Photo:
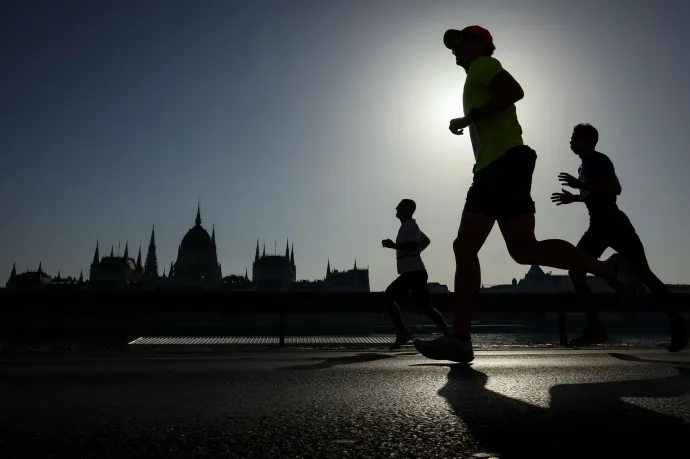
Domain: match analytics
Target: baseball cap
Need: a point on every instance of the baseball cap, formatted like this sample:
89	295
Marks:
453	36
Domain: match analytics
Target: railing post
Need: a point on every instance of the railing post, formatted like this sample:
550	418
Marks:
281	328
562	331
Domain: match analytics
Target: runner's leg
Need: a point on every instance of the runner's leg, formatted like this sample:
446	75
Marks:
395	290
420	295
475	226
629	245
474	230
594	243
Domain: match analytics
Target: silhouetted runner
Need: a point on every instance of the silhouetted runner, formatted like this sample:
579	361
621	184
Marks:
500	191
609	227
413	278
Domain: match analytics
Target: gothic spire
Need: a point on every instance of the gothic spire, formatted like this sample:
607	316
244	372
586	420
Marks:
139	259
328	267
355	264
151	267
292	255
246	274
198	214
40	267
264	251
111	250
287	249
256	256
126	255
96	256
81	276
14	270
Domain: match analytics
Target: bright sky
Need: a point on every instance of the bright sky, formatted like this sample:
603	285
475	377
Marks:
310	120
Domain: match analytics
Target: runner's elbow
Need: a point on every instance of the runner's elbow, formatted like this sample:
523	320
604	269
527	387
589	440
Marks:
519	93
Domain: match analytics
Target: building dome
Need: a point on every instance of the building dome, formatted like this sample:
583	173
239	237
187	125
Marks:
197	260
197	240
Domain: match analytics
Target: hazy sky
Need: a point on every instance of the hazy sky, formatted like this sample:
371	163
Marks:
310	120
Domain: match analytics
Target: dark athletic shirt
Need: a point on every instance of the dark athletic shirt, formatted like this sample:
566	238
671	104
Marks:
596	167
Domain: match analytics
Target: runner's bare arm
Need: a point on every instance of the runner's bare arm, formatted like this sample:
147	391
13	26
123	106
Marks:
505	91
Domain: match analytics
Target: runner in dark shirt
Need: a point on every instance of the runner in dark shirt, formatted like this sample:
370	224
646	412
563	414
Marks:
609	227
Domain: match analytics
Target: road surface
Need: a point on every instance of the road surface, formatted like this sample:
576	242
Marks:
319	404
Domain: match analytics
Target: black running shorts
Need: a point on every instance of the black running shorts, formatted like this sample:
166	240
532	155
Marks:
618	233
503	189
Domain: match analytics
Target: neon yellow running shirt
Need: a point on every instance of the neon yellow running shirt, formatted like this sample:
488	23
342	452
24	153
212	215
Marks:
493	136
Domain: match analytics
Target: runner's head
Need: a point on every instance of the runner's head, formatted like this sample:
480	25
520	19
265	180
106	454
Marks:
468	44
405	210
584	139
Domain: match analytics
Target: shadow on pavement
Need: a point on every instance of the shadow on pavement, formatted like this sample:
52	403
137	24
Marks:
632	358
344	360
587	420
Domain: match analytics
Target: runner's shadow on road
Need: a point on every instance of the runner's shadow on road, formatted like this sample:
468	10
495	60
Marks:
633	358
362	357
588	420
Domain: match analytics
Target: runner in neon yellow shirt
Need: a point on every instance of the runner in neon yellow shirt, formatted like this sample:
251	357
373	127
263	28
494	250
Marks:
500	190
496	135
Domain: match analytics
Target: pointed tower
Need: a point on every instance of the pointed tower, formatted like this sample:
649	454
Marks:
355	264
81	276
328	268
287	249
96	256
12	275
126	255
215	248
9	282
112	253
292	256
151	267
58	276
198	215
256	255
139	268
264	254
246	274
95	264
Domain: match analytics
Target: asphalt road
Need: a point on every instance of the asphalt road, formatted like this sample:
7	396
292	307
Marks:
523	404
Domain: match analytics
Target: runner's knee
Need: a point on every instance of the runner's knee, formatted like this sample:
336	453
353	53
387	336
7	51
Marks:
522	253
392	293
464	248
518	234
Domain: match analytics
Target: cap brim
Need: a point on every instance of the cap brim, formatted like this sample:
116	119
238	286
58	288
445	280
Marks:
451	38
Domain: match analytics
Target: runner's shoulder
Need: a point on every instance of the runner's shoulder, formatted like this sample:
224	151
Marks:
601	157
486	62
